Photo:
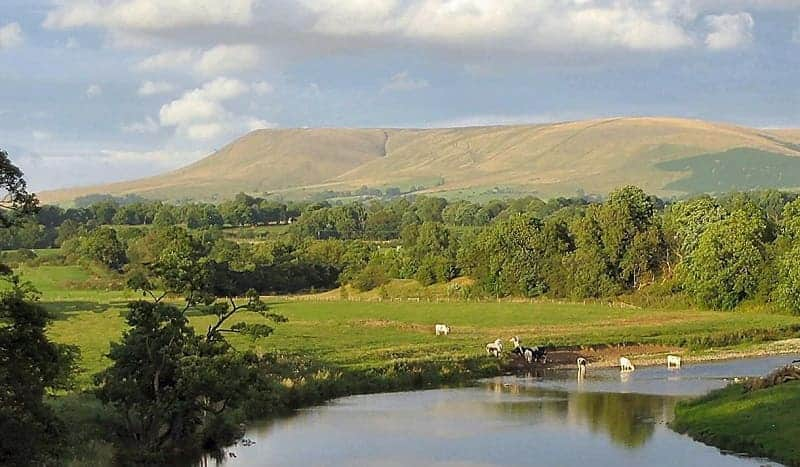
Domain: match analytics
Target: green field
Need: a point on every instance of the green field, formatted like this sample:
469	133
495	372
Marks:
741	421
361	335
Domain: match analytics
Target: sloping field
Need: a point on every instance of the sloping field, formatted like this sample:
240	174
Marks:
595	156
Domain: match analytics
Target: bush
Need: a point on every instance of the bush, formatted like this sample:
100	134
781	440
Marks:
16	257
373	275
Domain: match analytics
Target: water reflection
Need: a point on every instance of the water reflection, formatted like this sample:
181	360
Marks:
560	419
627	418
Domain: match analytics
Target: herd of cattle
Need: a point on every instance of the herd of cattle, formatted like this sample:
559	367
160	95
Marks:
537	354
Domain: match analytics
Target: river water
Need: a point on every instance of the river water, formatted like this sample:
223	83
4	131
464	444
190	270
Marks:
550	419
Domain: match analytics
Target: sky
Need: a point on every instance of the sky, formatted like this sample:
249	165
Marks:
93	91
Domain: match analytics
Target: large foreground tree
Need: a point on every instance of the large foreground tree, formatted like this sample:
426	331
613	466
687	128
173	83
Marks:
30	364
171	385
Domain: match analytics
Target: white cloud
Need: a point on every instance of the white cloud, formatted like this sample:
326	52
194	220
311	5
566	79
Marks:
151	88
72	43
11	36
149	15
147	126
93	91
216	61
729	31
544	25
199	114
190	108
258	124
40	135
322	25
262	88
403	82
224	59
204	131
169	59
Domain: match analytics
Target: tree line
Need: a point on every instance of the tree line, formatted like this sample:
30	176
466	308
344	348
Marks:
51	224
716	251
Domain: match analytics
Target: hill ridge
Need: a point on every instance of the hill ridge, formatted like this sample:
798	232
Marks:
561	158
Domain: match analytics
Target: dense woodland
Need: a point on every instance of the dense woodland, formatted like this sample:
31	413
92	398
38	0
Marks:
716	251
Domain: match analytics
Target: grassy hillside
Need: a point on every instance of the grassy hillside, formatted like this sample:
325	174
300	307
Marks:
735	170
554	159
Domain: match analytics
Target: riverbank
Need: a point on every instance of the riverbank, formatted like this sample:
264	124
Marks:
760	423
607	356
316	383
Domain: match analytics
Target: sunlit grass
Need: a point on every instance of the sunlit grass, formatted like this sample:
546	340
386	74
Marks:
373	334
762	422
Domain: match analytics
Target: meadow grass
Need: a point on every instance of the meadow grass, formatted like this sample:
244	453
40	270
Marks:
364	335
762	422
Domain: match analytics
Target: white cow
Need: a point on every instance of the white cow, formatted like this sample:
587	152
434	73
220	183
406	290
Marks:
494	348
582	364
442	329
673	361
625	364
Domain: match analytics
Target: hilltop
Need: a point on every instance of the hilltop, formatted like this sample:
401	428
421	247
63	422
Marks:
665	156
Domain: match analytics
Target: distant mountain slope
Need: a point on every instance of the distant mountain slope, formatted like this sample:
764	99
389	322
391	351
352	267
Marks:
594	156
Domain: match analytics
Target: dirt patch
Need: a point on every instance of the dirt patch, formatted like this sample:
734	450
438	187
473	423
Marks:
601	356
606	356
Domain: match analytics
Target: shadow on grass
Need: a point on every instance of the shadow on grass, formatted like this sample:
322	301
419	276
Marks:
61	310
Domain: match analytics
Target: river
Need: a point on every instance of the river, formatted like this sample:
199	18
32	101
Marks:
551	419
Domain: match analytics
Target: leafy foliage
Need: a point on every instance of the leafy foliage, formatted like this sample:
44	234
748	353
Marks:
724	268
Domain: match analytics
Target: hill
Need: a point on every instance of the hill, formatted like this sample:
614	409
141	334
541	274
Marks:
666	156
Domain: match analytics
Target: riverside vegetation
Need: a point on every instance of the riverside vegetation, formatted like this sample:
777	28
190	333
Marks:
758	417
179	292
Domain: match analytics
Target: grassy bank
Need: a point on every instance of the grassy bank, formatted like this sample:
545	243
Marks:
760	423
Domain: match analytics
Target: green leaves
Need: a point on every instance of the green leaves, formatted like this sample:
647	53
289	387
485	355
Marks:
30	365
787	291
725	267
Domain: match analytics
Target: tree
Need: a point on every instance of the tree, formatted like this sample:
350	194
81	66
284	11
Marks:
429	209
686	221
103	246
508	258
725	267
30	365
104	211
627	212
50	216
14	197
165	216
169	384
787	290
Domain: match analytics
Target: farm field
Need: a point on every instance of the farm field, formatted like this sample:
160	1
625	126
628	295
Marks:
363	335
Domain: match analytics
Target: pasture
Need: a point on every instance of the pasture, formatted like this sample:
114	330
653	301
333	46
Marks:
89	310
